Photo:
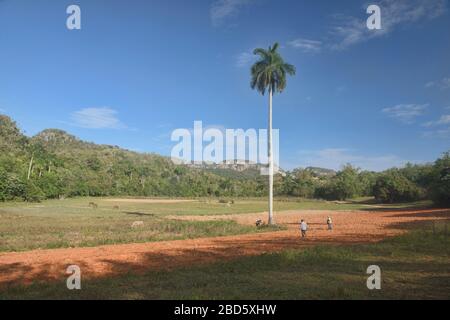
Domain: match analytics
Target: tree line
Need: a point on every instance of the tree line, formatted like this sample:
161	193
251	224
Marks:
407	184
54	164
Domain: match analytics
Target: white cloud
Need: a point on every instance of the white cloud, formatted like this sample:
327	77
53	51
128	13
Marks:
394	13
442	84
443	132
222	10
446	83
443	120
306	45
335	158
348	31
244	59
97	118
440	134
406	113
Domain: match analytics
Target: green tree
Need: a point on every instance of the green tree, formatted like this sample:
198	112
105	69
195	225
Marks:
305	184
11	187
439	189
33	193
367	181
346	183
392	187
269	74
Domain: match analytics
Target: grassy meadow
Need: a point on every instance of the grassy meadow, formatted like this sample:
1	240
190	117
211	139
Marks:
414	266
73	223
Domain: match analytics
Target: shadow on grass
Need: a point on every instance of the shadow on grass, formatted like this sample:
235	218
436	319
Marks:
420	271
326	271
434	216
401	207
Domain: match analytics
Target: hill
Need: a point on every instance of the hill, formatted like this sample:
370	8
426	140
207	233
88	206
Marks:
321	172
55	163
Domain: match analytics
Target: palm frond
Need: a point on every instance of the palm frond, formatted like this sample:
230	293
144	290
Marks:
270	71
290	69
275	47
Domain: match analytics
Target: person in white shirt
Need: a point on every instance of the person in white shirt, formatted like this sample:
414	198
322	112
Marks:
330	223
303	228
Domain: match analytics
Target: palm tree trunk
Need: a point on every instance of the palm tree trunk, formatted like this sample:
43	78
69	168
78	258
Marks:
270	158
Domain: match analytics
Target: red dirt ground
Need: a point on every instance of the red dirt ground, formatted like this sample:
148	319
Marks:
110	260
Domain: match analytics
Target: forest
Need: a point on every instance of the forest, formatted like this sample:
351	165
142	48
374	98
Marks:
55	164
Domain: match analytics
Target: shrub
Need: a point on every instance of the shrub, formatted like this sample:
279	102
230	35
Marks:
33	193
345	185
10	186
392	187
439	189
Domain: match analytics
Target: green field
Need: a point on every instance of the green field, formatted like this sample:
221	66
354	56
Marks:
414	266
72	223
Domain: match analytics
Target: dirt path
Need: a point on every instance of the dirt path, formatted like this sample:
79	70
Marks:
350	227
153	201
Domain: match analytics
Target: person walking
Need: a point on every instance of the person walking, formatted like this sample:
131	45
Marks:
330	223
303	228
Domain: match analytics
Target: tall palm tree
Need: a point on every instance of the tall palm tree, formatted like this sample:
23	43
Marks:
269	74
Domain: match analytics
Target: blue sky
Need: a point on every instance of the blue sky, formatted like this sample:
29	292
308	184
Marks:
137	70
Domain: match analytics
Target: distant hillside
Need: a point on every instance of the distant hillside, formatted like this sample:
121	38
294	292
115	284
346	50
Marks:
235	169
232	173
12	141
321	172
55	163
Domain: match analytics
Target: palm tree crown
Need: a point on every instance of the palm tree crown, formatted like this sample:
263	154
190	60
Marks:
270	71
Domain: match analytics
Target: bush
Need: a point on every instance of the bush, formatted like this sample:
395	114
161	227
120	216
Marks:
439	189
345	185
10	186
33	193
50	186
392	187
